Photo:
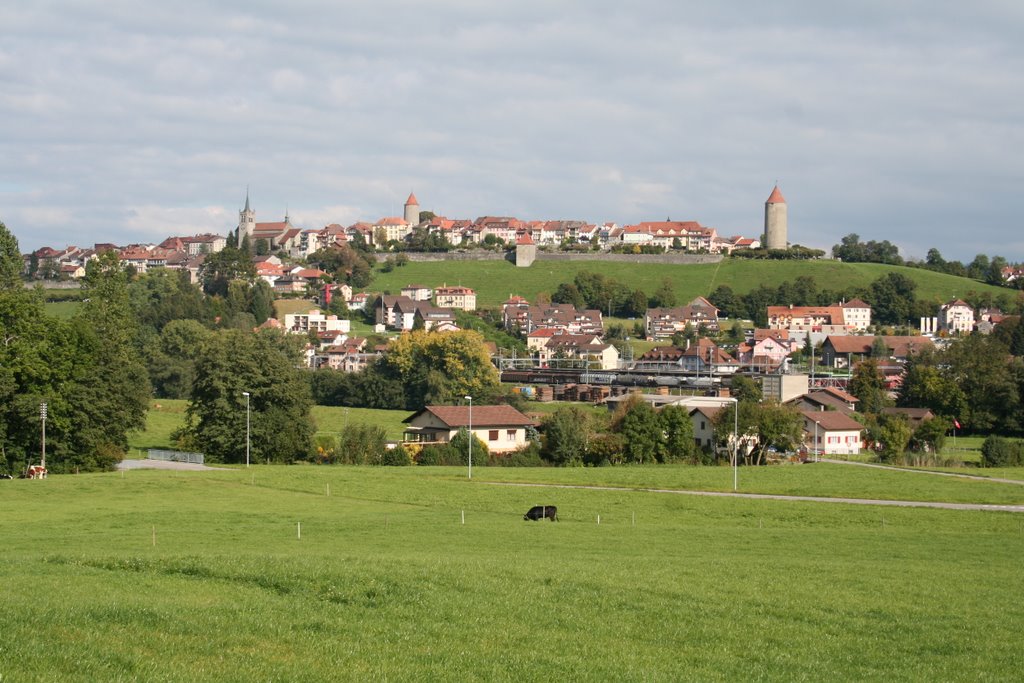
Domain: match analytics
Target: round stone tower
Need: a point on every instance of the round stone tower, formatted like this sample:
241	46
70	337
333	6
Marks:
412	210
775	221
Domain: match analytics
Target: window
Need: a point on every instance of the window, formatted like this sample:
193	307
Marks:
510	434
492	435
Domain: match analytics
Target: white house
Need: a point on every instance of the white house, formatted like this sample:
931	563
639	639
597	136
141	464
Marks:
502	428
830	432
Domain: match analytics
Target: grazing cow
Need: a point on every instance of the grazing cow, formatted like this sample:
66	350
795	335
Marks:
541	512
36	472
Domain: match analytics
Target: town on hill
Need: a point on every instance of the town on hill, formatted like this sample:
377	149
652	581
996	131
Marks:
891	363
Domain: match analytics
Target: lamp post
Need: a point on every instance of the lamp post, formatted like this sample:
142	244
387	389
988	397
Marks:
470	474
42	418
735	442
246	394
816	447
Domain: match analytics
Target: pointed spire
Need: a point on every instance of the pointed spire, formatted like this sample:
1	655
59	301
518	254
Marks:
246	198
411	200
776	197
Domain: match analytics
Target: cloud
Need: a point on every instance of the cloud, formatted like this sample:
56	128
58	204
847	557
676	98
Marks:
893	122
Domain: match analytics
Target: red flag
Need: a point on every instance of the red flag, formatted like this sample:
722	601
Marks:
955	423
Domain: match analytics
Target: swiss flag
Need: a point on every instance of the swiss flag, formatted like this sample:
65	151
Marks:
955	423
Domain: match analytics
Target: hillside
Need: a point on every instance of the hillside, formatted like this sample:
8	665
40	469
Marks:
494	281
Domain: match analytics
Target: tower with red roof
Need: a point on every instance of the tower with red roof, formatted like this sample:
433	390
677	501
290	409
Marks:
412	210
775	221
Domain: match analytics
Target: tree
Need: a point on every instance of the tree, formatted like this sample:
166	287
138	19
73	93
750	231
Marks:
868	385
925	385
766	425
894	435
892	298
221	268
930	435
997	451
265	365
746	390
665	295
566	434
641	430
678	429
10	260
879	349
440	367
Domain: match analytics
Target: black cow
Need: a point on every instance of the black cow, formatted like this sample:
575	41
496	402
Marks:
541	512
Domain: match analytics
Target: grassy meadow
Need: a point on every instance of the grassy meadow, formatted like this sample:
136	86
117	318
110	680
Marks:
494	281
185	576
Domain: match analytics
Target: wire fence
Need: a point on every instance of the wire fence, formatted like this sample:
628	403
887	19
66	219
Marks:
176	456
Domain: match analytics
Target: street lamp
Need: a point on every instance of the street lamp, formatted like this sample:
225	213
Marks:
246	394
470	399
735	444
42	418
816	447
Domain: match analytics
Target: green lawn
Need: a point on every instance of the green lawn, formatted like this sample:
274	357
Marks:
62	309
494	281
166	576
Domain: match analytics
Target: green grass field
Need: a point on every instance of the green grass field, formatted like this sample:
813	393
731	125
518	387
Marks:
62	309
166	415
165	576
494	281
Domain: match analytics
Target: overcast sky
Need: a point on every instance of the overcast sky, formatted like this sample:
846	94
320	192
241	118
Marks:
129	120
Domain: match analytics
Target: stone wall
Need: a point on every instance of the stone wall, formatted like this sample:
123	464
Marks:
677	259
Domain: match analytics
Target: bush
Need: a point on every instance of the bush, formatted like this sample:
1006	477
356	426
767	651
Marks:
1000	452
440	454
397	457
528	456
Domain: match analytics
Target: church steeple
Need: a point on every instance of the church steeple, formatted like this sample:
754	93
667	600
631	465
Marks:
246	220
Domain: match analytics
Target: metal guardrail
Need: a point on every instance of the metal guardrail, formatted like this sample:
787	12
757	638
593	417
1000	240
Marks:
176	456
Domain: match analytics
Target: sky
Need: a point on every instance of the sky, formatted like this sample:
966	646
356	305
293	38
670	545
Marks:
128	121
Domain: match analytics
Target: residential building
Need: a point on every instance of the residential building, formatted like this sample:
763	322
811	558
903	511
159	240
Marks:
417	292
839	351
663	323
502	428
956	317
462	298
315	321
830	432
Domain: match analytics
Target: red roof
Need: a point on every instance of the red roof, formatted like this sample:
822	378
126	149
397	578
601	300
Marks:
483	416
776	197
411	200
524	239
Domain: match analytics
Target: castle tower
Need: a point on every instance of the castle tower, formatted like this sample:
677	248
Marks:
412	210
246	221
775	221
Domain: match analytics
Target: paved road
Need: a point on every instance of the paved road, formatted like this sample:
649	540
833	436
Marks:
148	464
769	496
1017	482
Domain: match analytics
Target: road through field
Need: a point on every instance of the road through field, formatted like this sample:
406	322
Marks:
1017	482
771	496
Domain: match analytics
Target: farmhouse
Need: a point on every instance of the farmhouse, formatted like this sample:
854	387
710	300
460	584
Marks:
502	428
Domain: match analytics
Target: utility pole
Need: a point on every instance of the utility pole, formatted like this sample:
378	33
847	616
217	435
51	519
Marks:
42	418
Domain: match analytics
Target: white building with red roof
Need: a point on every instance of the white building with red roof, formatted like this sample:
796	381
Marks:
502	428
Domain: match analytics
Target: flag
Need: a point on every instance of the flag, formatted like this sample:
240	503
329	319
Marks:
955	423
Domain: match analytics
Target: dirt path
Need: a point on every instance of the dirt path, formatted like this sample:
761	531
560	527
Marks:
771	496
975	477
